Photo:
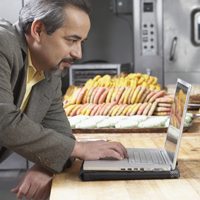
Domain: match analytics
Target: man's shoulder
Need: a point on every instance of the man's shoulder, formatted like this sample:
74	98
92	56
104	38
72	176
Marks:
6	28
9	40
5	23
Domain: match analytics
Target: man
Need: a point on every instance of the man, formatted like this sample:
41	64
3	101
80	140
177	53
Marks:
47	39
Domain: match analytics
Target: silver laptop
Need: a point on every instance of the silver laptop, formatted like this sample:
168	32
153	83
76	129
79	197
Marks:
143	159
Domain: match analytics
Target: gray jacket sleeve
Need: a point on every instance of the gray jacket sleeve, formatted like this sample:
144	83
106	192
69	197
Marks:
49	143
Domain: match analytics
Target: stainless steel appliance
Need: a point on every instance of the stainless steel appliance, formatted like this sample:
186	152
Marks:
167	39
148	39
79	74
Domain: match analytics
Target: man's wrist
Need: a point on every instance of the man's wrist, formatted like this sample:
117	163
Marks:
41	169
76	153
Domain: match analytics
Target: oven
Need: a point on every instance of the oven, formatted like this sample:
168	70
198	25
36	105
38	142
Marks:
166	39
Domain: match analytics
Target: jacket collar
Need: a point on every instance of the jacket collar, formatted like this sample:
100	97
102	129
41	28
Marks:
21	38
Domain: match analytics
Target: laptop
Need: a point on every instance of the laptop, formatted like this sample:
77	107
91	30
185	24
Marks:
146	163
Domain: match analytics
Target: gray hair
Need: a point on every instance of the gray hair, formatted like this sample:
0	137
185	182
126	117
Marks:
50	12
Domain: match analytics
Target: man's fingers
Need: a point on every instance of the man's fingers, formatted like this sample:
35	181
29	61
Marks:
119	148
15	190
44	193
110	154
23	190
100	149
31	192
41	194
124	151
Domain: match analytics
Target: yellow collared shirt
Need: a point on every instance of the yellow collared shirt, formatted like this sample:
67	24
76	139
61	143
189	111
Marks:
33	77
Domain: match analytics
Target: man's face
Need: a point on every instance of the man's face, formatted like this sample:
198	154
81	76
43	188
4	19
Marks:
60	49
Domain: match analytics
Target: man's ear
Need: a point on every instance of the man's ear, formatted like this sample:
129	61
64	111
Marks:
37	27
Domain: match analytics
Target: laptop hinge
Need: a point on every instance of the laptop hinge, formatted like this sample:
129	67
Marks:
166	158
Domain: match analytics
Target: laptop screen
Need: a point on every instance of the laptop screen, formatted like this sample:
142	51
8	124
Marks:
177	117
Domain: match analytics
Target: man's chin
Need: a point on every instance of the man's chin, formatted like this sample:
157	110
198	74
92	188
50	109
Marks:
59	71
58	68
64	65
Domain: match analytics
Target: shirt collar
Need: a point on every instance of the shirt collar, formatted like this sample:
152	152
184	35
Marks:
32	71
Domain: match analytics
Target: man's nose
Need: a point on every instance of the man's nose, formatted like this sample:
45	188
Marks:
77	51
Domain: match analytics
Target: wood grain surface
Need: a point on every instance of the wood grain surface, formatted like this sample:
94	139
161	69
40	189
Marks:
67	185
122	130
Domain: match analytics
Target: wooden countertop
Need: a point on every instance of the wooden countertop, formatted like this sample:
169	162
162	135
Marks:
67	185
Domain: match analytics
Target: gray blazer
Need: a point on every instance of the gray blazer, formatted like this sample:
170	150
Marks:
42	133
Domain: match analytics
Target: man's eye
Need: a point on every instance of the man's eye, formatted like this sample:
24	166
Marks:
82	43
71	41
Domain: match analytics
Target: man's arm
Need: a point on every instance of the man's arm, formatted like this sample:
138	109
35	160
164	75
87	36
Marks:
36	184
95	150
19	133
56	119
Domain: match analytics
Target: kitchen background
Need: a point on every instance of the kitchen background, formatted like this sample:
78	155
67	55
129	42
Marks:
150	35
157	38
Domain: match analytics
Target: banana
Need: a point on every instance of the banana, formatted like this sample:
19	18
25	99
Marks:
96	78
151	80
141	80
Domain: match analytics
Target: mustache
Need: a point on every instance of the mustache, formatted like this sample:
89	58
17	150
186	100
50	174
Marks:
68	60
56	69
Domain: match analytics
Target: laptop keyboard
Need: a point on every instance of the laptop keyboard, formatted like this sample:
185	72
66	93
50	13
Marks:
150	157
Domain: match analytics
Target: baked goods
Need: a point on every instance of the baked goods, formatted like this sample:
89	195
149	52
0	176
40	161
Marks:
195	99
125	95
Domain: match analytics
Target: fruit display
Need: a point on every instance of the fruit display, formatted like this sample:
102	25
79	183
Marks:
124	95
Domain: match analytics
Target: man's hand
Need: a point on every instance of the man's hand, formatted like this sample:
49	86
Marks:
95	150
35	185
